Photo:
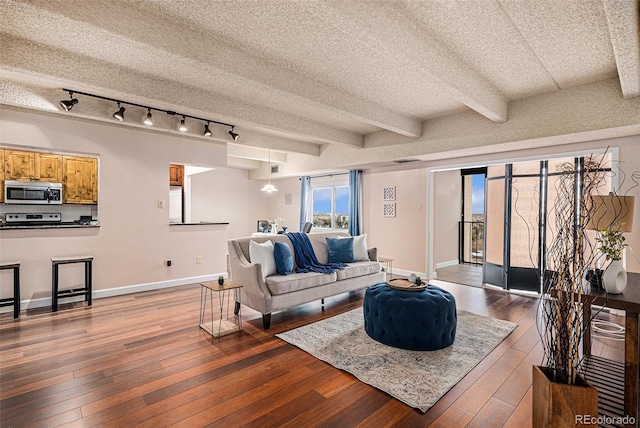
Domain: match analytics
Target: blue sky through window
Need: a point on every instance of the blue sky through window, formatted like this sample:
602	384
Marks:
477	194
322	200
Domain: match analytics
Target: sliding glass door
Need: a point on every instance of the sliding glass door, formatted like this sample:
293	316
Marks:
517	207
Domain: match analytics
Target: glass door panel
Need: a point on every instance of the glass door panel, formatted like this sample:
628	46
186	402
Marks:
523	273
493	272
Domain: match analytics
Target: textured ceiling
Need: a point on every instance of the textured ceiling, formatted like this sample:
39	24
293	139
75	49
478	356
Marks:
336	84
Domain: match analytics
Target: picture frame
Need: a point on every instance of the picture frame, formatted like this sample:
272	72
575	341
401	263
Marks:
389	193
389	209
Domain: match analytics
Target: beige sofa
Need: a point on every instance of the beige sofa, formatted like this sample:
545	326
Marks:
279	292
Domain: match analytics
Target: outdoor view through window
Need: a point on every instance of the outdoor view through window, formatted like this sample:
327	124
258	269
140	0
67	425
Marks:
331	207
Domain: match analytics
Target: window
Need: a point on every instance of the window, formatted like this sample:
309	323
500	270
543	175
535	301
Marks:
330	207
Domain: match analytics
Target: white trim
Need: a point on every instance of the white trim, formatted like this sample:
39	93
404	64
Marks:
447	264
110	292
408	272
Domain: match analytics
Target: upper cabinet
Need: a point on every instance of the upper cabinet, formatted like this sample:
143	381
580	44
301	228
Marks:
32	166
176	173
48	167
80	180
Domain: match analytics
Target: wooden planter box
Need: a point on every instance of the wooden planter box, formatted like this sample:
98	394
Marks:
558	405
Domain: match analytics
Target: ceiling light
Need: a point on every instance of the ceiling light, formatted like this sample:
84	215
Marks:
267	187
68	104
148	120
119	115
233	134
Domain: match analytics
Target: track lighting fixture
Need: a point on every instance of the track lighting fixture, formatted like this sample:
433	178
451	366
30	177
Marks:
233	134
148	120
68	104
183	126
119	115
267	187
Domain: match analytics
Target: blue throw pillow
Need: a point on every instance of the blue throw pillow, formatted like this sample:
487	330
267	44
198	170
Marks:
340	250
284	258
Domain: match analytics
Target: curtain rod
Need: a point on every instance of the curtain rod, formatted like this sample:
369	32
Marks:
327	175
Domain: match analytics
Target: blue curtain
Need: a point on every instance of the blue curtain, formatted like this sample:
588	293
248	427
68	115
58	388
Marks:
304	199
355	194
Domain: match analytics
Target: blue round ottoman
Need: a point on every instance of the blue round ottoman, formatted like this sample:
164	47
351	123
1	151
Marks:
418	320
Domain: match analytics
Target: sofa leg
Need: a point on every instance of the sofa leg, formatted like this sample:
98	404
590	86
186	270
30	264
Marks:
266	321
322	301
236	310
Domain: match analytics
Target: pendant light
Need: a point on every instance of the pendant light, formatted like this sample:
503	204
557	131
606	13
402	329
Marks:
269	187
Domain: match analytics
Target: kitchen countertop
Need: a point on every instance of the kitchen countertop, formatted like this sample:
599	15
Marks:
62	225
202	223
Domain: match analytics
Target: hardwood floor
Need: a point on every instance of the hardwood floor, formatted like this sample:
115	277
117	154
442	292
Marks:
141	360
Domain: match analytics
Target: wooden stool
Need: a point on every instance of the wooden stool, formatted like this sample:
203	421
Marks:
59	294
15	300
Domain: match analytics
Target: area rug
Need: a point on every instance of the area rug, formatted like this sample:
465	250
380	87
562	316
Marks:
417	378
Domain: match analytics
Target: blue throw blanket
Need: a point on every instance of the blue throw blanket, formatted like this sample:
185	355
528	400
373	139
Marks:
306	257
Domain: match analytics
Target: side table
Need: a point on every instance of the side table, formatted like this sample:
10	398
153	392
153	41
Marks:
221	324
389	263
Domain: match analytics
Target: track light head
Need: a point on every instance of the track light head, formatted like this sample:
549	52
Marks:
119	115
148	120
207	131
233	134
68	104
183	126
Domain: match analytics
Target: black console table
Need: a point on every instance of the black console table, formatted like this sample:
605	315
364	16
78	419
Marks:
616	397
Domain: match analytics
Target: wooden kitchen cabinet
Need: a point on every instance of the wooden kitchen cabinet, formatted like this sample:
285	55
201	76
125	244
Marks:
80	180
32	166
176	173
19	165
48	167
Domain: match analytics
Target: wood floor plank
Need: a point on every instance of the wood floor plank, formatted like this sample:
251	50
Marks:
454	417
141	360
494	413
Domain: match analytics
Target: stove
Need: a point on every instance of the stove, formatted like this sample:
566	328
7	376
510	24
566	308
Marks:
14	219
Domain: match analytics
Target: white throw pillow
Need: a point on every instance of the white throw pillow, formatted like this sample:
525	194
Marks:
263	254
360	253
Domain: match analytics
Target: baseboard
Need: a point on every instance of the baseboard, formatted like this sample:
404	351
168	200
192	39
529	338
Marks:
119	291
447	264
407	273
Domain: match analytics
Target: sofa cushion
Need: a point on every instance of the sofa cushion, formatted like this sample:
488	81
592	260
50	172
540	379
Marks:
340	250
358	269
263	253
284	258
280	284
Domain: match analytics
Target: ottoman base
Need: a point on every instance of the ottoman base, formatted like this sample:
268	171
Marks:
417	320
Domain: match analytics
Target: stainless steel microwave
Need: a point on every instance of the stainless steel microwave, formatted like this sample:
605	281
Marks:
32	192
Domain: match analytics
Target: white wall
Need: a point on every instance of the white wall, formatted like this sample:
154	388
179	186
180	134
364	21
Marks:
402	238
447	206
134	238
227	195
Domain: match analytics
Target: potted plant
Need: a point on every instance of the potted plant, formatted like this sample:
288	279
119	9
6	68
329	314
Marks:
560	390
611	243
